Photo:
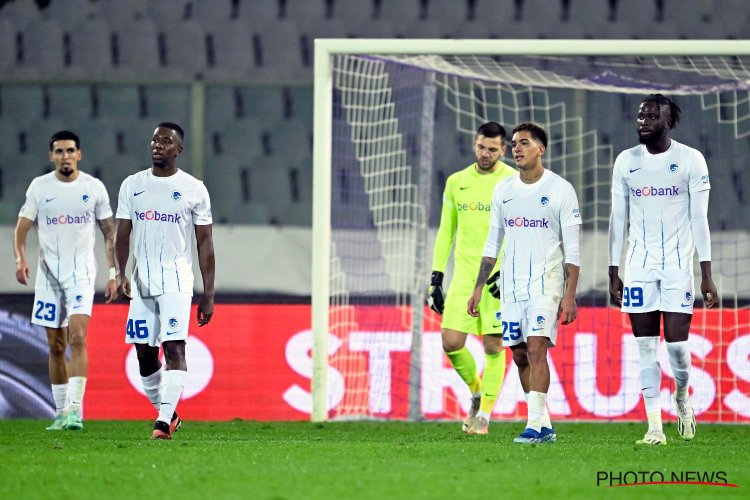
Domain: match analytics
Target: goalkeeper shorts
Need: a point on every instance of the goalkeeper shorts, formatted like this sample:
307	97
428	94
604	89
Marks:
456	317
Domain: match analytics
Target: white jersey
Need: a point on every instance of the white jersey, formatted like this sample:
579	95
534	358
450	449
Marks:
532	217
163	211
66	215
658	190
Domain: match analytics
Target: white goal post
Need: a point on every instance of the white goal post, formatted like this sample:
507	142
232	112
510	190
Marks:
326	267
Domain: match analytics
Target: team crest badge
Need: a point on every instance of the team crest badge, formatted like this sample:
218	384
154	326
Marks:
673	167
688	297
544	201
85	198
540	320
79	298
173	322
498	316
176	195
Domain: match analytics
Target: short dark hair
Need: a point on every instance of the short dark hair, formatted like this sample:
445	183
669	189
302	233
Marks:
536	131
64	135
174	127
661	101
491	130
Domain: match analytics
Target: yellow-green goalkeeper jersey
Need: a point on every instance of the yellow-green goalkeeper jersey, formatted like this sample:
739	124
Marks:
466	218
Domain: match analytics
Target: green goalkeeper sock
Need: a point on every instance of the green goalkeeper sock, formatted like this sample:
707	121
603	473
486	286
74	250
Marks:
463	362
492	380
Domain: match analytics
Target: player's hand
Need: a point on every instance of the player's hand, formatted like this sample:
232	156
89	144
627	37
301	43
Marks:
23	272
492	283
435	296
568	310
205	310
110	291
615	288
710	295
473	305
123	289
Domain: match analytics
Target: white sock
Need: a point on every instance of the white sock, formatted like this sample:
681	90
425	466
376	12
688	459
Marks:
537	403
650	380
546	422
173	382
60	396
151	385
75	392
679	360
484	414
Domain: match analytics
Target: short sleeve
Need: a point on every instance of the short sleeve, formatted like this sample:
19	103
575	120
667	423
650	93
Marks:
202	209
103	209
619	186
30	208
123	202
698	173
570	214
496	207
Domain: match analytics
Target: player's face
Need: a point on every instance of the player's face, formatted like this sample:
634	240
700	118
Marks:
65	156
527	151
165	147
488	150
653	123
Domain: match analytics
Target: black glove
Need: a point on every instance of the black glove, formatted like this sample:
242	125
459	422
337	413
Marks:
492	283
435	298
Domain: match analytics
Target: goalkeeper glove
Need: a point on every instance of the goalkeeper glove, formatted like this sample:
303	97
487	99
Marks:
492	283
435	298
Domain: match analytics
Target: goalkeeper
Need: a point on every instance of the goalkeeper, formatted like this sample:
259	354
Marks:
465	218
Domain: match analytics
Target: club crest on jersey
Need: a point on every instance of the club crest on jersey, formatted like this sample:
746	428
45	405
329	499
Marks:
540	320
79	298
173	322
673	167
544	201
176	195
85	198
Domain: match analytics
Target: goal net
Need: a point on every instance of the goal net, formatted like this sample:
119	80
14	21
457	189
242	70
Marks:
395	118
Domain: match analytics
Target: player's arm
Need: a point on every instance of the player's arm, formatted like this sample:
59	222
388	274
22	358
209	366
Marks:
107	227
23	272
702	238
206	261
122	252
443	242
618	220
571	247
489	258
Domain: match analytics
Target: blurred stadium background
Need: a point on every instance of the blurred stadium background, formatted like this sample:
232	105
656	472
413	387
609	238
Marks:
237	74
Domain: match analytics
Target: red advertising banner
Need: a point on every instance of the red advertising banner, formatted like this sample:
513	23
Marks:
255	362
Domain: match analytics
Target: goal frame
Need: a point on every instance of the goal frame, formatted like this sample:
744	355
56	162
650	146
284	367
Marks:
325	49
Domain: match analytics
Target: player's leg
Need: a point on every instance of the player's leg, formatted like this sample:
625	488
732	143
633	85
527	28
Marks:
540	332
78	367
456	326
58	374
646	330
174	319
676	327
677	306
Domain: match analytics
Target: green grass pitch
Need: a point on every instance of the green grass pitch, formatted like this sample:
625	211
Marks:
290	460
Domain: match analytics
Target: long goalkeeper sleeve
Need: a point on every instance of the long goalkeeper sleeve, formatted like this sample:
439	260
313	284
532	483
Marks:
445	235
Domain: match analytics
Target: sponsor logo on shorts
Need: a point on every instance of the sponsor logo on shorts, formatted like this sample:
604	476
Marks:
171	333
688	300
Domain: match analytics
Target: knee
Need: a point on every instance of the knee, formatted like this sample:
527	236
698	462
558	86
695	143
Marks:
520	357
78	340
57	347
453	344
537	355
